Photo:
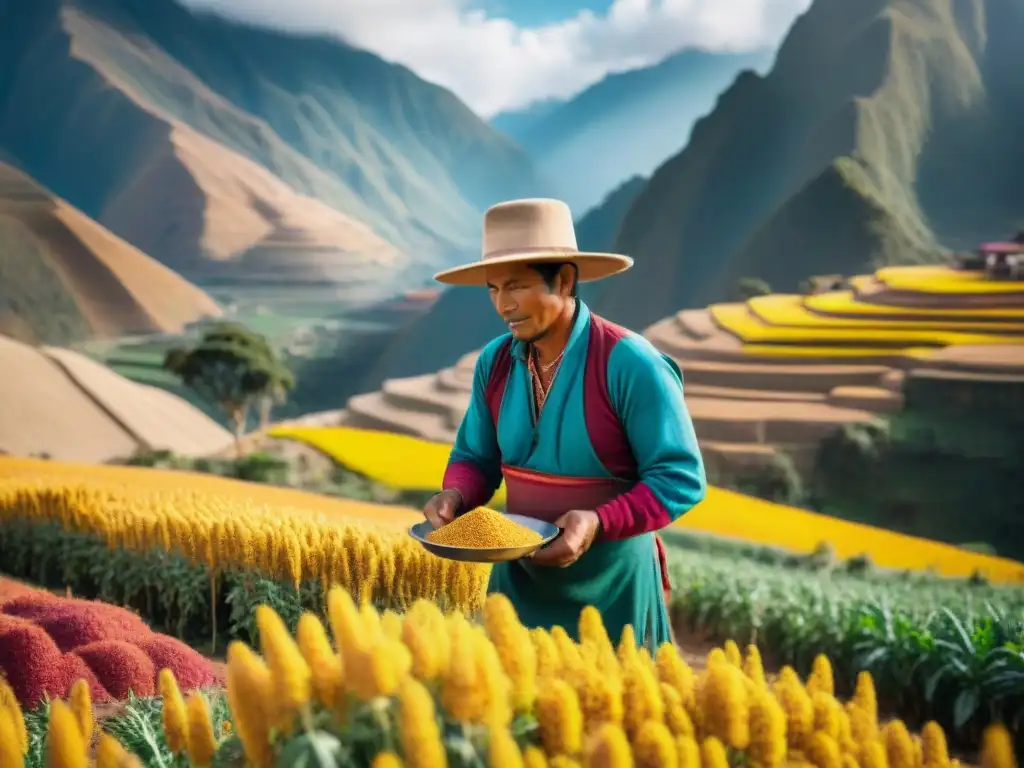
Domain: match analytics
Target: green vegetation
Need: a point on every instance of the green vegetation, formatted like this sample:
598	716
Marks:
751	287
235	369
931	472
823	283
777	481
329	349
937	650
35	305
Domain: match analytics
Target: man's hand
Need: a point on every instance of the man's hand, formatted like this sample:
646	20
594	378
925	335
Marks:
579	531
441	509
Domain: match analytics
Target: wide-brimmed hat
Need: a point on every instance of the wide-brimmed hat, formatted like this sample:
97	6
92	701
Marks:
531	231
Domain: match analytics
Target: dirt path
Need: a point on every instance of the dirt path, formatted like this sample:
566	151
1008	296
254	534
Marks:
693	649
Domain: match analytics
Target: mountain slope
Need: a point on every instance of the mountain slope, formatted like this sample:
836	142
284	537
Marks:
886	130
64	278
519	122
597	229
99	94
627	124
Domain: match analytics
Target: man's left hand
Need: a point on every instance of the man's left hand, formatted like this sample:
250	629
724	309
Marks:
579	529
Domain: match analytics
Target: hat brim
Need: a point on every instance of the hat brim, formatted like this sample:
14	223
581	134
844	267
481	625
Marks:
591	266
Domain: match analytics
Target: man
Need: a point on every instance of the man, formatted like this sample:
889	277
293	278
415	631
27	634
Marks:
586	423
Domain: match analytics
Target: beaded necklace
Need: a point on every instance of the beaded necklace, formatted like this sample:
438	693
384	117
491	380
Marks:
540	392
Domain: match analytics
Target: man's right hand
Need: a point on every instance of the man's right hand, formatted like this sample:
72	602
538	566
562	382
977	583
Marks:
442	508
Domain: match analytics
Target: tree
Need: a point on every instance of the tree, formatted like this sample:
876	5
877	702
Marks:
751	287
273	384
847	460
823	283
777	481
233	368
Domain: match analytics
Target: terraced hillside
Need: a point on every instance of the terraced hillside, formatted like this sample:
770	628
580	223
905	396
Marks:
779	373
65	278
67	406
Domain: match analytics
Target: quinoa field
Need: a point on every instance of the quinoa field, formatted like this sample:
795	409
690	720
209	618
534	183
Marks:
347	644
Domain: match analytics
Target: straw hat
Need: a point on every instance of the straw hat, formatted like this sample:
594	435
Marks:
531	231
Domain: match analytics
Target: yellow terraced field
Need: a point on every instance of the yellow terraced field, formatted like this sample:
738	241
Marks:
854	353
737	319
846	303
937	279
789	310
393	459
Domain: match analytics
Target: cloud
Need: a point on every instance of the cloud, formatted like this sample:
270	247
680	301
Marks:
494	65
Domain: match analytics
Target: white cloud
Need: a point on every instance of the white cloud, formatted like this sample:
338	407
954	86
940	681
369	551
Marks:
494	65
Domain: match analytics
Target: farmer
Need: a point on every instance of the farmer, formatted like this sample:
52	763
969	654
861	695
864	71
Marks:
586	423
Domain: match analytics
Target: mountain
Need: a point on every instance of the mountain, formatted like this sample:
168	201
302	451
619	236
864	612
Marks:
463	319
519	122
597	230
199	140
64	278
886	131
624	125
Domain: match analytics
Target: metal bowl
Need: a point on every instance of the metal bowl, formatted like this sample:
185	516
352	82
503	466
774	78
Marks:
547	531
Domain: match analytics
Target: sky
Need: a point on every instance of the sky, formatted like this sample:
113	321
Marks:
499	55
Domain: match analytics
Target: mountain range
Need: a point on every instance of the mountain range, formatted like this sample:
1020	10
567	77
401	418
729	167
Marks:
627	124
231	152
885	132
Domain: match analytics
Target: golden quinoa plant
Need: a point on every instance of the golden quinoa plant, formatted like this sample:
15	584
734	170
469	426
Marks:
429	690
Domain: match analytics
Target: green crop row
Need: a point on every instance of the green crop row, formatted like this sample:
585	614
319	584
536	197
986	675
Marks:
951	651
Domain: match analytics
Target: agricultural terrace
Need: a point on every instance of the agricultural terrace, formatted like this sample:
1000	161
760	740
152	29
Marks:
195	556
771	379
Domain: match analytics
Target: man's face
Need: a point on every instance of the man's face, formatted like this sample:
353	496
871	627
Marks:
524	301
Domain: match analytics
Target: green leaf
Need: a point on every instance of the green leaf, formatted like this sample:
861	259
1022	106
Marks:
307	749
965	706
